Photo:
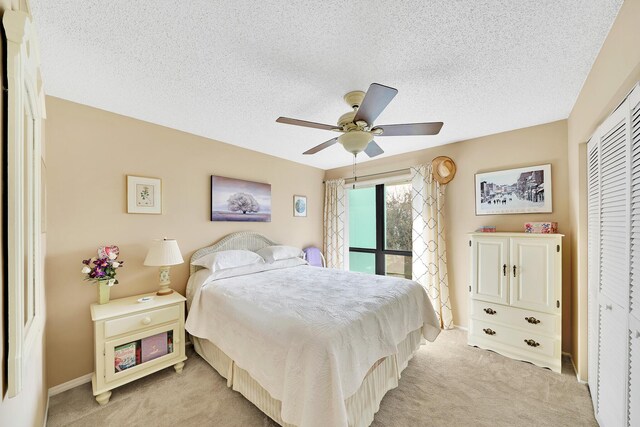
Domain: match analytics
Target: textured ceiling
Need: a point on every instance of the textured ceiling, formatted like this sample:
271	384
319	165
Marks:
227	69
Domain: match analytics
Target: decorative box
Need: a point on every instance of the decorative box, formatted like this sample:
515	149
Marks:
541	227
487	229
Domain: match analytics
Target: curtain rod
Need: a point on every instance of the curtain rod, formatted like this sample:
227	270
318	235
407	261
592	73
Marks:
406	170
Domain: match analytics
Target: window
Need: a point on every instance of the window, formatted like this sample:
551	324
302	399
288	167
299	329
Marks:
380	230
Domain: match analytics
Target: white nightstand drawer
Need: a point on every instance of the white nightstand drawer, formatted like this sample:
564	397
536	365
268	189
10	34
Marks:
140	321
533	321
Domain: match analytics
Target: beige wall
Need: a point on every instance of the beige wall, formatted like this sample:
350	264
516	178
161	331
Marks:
89	154
28	408
615	71
524	147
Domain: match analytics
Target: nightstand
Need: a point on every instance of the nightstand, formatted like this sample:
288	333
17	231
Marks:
133	339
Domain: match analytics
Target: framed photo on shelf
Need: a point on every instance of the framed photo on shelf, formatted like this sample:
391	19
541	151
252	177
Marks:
299	205
144	195
514	191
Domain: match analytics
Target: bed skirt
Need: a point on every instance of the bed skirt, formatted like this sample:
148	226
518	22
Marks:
361	406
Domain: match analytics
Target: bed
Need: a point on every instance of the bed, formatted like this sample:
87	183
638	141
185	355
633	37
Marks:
308	346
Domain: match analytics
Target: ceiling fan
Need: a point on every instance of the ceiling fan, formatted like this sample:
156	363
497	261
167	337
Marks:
357	126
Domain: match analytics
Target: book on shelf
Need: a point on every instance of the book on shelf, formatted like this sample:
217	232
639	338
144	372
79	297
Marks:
154	346
124	356
170	342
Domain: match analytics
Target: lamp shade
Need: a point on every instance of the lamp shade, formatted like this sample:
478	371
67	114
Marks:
164	252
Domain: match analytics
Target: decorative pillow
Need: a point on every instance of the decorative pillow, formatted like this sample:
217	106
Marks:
228	259
275	253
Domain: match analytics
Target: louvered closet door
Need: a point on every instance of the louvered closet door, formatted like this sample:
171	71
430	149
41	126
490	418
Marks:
633	382
614	210
634	298
612	284
633	416
593	182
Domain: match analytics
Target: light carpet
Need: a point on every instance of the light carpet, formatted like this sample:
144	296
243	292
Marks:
447	383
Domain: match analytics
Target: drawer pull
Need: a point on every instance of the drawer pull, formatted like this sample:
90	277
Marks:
146	320
532	343
532	320
489	331
514	271
489	311
504	270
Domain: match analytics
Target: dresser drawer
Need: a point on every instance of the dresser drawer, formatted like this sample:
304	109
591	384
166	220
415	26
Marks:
140	321
522	341
532	321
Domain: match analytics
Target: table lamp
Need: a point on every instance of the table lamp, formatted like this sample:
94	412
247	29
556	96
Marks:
164	253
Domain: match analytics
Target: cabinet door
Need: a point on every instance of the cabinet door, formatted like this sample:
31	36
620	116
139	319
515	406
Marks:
532	273
489	269
159	354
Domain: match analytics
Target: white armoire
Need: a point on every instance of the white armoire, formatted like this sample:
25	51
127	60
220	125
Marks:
516	296
613	179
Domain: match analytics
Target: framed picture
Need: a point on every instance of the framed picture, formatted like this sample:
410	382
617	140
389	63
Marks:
514	191
239	200
144	195
299	205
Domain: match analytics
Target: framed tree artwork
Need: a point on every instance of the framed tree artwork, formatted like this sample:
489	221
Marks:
239	200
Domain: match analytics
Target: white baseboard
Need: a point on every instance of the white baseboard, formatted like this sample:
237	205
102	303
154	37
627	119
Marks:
46	413
573	365
60	388
462	328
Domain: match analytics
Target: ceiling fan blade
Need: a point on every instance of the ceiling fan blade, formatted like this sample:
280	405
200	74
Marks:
322	146
373	149
375	101
411	129
296	122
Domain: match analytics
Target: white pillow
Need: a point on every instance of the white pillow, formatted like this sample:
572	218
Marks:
255	268
275	253
228	259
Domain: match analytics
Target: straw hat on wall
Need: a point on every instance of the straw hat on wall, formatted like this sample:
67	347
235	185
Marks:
443	169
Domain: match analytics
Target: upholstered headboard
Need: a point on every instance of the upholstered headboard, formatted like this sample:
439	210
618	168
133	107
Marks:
248	240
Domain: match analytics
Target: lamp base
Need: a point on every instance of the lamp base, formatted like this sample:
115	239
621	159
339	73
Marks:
164	281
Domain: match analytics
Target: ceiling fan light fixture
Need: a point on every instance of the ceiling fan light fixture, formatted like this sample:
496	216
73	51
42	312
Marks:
355	141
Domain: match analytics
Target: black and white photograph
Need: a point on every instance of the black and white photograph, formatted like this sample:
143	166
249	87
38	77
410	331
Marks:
514	191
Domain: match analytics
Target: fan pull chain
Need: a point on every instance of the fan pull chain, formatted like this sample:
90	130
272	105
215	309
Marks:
355	178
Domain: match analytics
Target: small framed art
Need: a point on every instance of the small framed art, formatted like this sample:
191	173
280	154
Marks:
144	195
299	205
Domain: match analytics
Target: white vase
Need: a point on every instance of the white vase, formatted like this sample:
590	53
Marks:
103	291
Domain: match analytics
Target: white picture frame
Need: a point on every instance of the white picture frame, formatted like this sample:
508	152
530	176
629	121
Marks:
144	195
299	206
524	190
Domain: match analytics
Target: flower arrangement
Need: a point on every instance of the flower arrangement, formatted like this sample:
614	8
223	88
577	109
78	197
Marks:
104	266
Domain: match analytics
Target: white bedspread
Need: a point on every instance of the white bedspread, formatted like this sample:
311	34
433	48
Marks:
309	335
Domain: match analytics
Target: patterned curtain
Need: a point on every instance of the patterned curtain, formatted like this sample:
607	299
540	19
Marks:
429	248
334	221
